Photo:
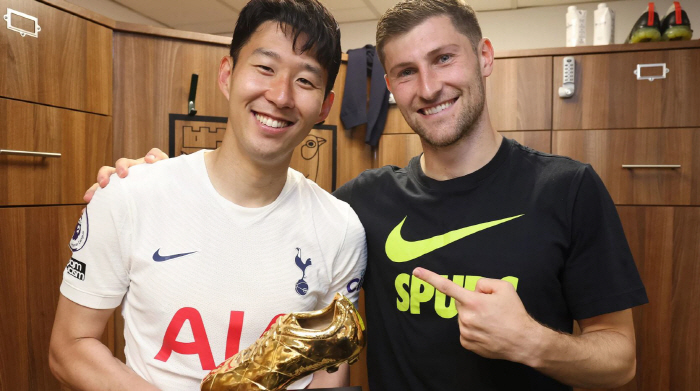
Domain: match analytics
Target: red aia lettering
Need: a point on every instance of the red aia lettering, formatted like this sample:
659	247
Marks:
200	346
235	328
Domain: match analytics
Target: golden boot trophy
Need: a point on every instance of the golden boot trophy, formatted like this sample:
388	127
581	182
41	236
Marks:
297	345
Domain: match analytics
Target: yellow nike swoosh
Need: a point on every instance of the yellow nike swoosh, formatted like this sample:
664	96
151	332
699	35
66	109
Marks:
400	250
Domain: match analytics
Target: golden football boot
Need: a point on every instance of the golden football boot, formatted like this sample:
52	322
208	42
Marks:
297	345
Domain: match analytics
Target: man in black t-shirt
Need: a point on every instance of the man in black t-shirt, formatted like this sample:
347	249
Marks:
541	229
482	252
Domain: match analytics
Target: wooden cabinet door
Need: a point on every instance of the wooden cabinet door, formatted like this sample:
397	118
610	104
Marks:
152	78
665	243
609	150
68	64
609	96
33	253
83	140
519	93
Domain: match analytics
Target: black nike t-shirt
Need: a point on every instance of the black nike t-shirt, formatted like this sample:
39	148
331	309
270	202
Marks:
544	223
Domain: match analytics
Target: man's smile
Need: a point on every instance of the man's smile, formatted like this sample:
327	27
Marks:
437	108
271	122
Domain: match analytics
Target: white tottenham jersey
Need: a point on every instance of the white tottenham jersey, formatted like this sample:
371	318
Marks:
201	278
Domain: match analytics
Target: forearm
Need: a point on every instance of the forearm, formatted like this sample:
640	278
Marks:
603	358
87	364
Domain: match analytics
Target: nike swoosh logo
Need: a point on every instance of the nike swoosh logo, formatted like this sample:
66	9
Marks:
400	250
160	258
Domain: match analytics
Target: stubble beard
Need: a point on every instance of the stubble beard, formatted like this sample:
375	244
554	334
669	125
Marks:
466	121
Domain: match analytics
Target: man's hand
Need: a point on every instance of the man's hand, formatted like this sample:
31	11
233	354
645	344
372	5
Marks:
121	167
493	322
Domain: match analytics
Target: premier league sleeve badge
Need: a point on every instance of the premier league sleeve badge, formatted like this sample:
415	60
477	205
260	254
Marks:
80	236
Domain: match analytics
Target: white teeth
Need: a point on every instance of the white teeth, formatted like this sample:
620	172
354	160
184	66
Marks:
271	122
438	108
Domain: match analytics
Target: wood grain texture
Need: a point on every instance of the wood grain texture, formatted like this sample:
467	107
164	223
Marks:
608	150
84	140
152	79
540	140
395	122
33	251
69	64
518	94
619	48
353	155
649	232
170	33
685	311
609	96
80	11
398	149
358	371
665	243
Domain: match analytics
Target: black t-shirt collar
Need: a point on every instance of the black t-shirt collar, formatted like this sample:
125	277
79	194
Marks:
465	182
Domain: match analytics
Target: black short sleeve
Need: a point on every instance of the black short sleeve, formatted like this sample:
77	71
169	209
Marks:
599	275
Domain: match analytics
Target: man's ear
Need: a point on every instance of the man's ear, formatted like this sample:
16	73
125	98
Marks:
388	85
326	107
486	54
225	70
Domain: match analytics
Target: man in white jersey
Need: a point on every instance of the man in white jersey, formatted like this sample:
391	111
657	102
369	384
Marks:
206	250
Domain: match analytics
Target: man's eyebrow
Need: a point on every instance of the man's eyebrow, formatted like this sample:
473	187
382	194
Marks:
313	69
429	54
267	53
272	54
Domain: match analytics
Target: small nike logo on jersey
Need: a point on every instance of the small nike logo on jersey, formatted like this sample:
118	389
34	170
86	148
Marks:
400	250
160	258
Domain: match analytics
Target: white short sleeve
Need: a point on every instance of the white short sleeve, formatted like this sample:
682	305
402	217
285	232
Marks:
96	275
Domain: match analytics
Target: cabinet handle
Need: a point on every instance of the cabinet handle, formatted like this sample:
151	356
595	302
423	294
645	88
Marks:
670	166
664	71
29	153
22	32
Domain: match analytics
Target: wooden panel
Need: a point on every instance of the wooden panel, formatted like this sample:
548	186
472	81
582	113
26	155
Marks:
84	140
353	155
608	95
540	140
398	149
665	242
151	80
607	151
395	123
519	93
68	65
358	371
649	231
570	51
685	311
33	252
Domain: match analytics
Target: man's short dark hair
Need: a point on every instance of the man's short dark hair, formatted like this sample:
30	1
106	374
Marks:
406	15
295	17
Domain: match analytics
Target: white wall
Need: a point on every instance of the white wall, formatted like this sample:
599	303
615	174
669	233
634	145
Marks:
538	27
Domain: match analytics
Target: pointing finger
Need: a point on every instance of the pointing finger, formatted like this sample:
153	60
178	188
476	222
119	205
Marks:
442	284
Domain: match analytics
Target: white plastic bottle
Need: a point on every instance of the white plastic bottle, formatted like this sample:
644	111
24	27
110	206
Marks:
575	27
603	25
